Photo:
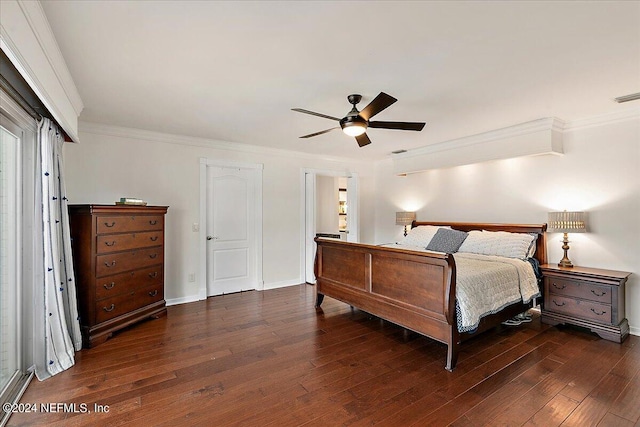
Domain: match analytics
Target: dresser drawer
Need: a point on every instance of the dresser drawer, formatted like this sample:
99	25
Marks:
600	313
122	242
121	304
119	262
128	223
578	289
111	286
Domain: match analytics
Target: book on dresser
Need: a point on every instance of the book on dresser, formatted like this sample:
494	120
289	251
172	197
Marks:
118	256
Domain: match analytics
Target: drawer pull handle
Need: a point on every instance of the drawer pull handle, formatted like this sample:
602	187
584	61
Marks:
153	275
153	256
110	308
109	265
154	238
110	244
559	287
598	314
110	225
153	222
559	305
153	293
109	285
597	294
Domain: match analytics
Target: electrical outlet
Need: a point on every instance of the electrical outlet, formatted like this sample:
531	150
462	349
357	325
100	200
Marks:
192	277
195	227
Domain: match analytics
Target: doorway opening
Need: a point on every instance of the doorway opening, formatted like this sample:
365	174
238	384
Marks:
329	209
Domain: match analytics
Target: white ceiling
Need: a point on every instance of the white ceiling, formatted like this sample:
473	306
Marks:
232	71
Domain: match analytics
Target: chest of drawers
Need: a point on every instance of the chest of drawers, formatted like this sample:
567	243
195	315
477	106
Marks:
118	254
588	297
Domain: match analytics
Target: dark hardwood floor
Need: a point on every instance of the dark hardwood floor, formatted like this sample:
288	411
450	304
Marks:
267	358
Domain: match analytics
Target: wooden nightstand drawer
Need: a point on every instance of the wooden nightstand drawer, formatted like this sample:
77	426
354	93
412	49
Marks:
578	289
581	308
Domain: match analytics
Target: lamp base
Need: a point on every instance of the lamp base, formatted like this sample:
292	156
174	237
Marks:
565	261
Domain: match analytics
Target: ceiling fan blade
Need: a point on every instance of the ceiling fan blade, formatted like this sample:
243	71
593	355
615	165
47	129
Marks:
378	104
363	140
319	133
300	110
397	125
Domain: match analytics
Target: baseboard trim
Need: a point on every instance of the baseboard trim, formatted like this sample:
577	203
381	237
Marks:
264	287
182	300
282	284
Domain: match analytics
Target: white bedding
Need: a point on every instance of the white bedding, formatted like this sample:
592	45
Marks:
486	284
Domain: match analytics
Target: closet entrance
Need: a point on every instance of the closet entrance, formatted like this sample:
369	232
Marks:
330	211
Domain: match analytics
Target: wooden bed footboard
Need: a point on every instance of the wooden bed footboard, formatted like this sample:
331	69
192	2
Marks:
413	289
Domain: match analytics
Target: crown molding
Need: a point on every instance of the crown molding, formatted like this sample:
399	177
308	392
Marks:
541	136
546	133
40	26
549	123
167	138
629	113
27	40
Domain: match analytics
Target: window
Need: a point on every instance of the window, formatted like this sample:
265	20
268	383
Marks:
17	166
9	261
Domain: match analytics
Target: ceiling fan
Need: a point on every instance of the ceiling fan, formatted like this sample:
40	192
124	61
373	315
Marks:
355	123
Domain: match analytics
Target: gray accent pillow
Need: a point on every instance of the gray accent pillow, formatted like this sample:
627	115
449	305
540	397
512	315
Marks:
446	240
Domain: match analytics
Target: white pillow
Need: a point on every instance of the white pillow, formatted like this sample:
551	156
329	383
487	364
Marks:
420	236
499	243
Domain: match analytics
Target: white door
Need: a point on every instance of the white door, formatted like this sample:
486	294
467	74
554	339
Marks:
231	230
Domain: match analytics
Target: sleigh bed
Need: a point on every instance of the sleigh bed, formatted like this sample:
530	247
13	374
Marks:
416	288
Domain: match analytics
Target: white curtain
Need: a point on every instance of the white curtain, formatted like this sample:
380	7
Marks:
57	327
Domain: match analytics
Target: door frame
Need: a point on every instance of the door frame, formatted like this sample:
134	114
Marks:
26	314
308	211
257	169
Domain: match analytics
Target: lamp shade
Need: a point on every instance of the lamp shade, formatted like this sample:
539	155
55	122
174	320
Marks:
405	218
567	222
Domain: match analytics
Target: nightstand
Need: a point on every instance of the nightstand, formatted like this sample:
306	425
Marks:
587	297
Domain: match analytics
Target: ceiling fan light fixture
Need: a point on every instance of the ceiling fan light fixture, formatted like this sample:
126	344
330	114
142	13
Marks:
353	125
354	130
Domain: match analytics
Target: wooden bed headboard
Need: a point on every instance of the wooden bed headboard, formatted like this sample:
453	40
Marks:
539	229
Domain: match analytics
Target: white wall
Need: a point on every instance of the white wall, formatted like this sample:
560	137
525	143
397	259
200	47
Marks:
599	173
111	163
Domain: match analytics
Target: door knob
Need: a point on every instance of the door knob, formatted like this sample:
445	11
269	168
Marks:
212	238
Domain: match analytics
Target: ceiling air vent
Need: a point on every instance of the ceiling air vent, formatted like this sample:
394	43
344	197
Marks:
627	98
